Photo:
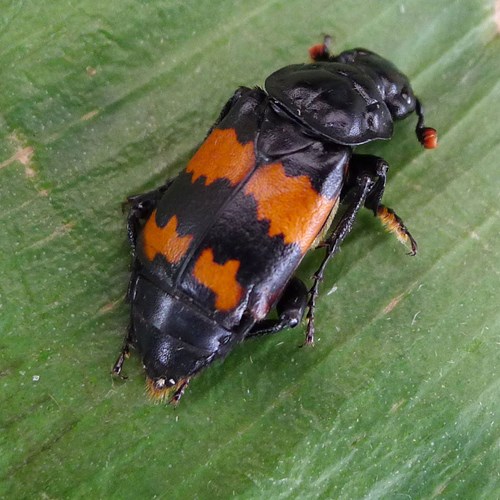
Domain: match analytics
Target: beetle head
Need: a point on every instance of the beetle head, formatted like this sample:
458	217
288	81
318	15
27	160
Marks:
393	85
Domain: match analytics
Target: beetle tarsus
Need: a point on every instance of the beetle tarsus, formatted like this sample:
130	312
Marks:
174	400
124	354
393	223
309	340
310	330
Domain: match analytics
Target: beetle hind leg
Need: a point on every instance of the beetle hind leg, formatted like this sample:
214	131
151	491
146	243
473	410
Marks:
364	184
290	307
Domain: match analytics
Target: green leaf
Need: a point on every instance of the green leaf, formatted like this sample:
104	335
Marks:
399	397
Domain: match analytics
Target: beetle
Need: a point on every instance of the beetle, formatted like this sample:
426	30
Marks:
216	248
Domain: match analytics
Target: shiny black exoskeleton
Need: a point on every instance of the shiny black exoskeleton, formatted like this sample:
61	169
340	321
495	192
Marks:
216	248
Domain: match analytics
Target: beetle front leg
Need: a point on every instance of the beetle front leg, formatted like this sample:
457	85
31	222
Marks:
392	222
179	392
141	207
332	243
290	308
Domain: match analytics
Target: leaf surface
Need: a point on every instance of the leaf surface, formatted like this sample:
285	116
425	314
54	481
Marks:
399	397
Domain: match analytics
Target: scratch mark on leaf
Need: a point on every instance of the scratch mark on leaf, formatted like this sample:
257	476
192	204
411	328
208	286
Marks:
396	406
90	115
59	231
21	155
392	304
438	491
29	172
110	306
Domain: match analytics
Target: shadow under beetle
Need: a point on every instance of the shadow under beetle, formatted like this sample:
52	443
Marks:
216	248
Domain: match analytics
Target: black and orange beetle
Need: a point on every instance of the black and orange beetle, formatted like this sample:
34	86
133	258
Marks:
216	248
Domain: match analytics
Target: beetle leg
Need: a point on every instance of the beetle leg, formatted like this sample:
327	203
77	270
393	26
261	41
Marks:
365	184
371	165
124	354
141	207
290	307
182	386
392	222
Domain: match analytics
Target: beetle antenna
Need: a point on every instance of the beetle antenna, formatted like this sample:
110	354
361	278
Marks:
321	51
427	136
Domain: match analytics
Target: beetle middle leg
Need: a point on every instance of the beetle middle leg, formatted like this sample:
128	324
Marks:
365	184
290	308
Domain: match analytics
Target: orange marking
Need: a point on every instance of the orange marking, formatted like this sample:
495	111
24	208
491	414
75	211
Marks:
220	278
164	240
288	203
222	156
